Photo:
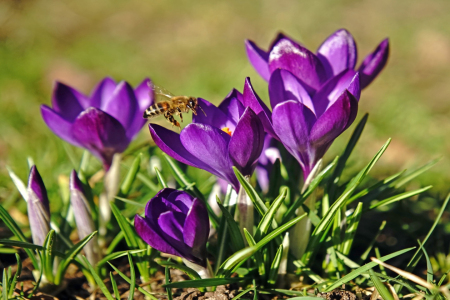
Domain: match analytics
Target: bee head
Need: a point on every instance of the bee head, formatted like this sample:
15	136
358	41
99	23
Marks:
192	102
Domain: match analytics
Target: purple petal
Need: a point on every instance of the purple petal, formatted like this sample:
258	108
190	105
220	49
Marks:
145	95
61	127
210	145
196	229
152	236
258	58
68	102
338	52
333	88
181	200
102	92
36	185
374	63
252	100
169	142
100	133
39	218
283	86
159	204
299	61
292	121
333	122
247	142
170	223
214	116
232	106
122	105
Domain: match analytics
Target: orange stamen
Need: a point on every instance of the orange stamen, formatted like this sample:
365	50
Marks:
227	130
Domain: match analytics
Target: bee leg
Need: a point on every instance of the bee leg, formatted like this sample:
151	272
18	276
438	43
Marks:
179	114
193	109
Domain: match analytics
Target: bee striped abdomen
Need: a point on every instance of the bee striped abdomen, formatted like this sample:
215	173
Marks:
156	109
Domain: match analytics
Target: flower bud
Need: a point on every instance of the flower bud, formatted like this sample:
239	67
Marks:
38	207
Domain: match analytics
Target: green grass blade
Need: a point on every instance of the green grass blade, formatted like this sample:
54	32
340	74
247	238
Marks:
252	194
364	268
258	257
268	218
399	197
411	175
148	182
15	229
429	266
351	229
242	293
20	244
114	286
168	289
118	254
131	175
126	227
273	273
132	202
5	285
16	276
133	278
347	261
381	288
21	187
188	271
125	277
235	234
98	280
203	282
372	243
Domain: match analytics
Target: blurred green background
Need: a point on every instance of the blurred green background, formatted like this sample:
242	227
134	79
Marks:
197	48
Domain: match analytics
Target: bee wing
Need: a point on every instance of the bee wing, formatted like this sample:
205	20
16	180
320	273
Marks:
159	91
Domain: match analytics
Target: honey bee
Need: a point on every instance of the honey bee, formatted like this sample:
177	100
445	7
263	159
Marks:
173	105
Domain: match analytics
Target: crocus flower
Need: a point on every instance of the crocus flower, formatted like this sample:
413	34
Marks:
38	207
307	125
104	122
269	155
176	223
336	54
83	217
228	135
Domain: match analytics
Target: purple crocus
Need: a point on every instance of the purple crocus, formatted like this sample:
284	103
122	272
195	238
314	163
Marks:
228	135
269	155
38	207
337	53
175	223
83	217
307	123
104	122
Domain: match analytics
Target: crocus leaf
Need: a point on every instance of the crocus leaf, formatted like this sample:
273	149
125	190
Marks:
133	278
207	282
70	255
114	285
323	226
131	175
24	245
351	229
18	183
273	273
372	243
413	174
98	280
252	194
235	233
15	229
257	255
238	258
118	254
267	219
365	268
161	180
188	271
48	255
167	277
16	276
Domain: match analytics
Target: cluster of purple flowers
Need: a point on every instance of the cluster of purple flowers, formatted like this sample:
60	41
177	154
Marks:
314	98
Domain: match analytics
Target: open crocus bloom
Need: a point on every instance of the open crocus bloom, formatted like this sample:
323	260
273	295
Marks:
336	54
177	224
227	136
307	123
104	122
